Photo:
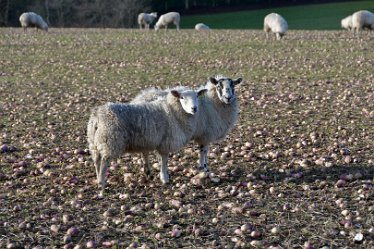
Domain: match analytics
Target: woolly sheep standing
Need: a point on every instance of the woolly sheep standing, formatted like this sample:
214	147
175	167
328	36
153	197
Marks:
217	116
31	19
168	18
164	125
146	19
347	22
275	23
201	26
362	19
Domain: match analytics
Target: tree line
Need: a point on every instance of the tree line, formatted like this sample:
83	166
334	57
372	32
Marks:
118	13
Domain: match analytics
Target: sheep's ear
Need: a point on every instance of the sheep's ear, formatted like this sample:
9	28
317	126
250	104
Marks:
176	94
237	81
213	80
202	92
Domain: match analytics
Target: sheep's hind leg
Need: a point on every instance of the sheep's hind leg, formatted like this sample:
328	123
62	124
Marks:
96	160
203	159
103	169
146	167
164	175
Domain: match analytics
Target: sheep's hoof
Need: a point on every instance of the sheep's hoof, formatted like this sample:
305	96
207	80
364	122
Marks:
203	168
100	195
149	176
165	179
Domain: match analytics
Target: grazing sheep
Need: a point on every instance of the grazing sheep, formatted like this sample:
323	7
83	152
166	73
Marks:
201	26
146	19
347	22
217	115
362	19
275	23
31	19
164	125
168	18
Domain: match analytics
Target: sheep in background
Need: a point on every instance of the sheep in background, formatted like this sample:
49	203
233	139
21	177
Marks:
168	18
275	23
164	125
217	116
152	94
201	26
346	23
362	19
146	19
31	19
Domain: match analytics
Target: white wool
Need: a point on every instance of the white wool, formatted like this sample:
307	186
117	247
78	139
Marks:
362	19
146	19
346	23
217	115
168	18
31	19
164	125
201	26
276	24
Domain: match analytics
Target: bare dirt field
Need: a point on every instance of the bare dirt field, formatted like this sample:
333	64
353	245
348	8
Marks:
296	172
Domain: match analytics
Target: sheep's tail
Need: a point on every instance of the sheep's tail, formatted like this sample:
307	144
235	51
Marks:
91	138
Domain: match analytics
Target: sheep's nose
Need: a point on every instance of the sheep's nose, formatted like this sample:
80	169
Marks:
194	109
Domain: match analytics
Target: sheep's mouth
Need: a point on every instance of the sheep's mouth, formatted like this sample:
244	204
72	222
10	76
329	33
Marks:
228	100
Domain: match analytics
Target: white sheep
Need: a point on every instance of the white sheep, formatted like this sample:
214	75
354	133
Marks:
146	19
31	19
201	26
362	19
217	115
346	22
275	23
168	18
164	125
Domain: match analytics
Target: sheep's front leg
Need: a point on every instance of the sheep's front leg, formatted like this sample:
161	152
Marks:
103	169
146	167
164	175
203	159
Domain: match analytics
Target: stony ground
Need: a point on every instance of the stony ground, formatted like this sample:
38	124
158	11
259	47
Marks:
297	171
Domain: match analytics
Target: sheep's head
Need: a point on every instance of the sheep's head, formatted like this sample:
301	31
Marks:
225	88
188	99
154	14
346	22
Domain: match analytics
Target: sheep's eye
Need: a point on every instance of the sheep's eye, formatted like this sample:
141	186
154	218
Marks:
181	97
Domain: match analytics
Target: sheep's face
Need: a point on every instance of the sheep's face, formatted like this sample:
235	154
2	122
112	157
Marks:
346	23
188	99
225	88
154	14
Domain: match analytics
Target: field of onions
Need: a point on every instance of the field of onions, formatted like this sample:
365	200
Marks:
296	172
